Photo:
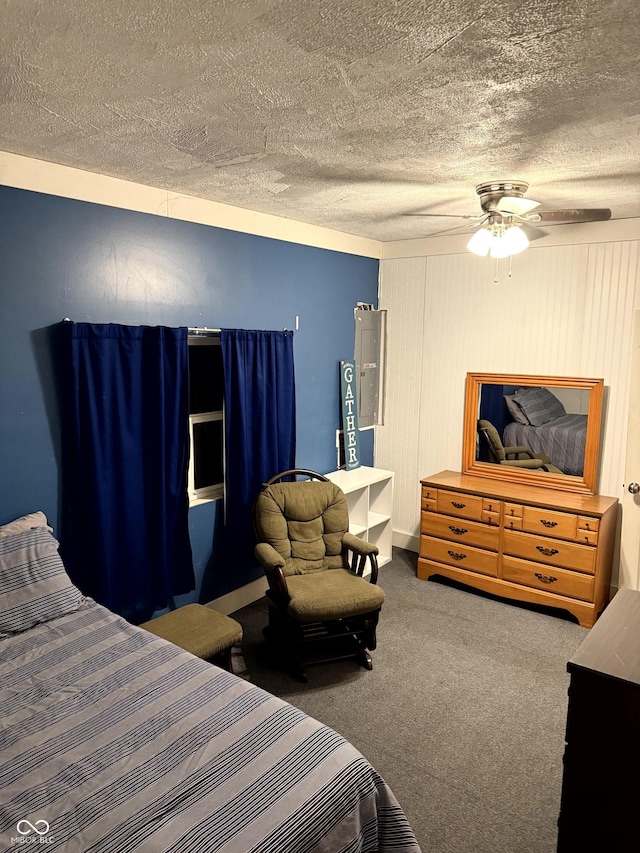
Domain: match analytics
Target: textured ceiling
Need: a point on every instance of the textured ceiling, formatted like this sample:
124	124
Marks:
342	113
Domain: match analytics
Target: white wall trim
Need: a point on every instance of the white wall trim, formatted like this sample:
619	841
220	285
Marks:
558	235
241	597
53	179
406	541
41	176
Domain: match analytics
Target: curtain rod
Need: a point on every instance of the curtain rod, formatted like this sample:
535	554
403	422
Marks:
200	330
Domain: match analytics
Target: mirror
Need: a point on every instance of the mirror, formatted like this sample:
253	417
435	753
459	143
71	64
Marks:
551	422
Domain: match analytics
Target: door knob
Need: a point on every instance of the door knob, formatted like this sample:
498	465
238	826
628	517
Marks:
634	488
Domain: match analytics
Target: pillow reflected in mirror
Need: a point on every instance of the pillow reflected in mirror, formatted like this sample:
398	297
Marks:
514	409
539	405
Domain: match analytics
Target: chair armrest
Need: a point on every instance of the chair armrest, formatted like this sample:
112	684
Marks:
354	543
272	562
362	551
523	463
268	557
518	448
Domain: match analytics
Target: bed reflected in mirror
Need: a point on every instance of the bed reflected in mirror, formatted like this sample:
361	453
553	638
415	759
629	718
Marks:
533	429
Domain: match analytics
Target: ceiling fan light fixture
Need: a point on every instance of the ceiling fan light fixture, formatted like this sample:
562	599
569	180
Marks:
496	240
480	242
511	242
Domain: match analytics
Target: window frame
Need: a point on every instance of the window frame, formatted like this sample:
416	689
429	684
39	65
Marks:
204	494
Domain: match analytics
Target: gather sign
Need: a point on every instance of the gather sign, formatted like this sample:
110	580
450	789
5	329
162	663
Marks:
349	414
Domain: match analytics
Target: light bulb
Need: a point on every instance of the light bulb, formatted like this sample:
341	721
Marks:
516	240
480	242
511	242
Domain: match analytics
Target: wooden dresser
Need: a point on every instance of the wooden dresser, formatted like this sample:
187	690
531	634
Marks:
599	804
528	543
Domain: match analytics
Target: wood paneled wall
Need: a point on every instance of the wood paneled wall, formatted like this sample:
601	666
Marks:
565	310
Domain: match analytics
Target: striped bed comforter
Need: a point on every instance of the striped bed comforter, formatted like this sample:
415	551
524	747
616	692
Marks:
562	440
114	740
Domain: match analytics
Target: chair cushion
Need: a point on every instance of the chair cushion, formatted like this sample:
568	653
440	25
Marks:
334	594
304	522
197	629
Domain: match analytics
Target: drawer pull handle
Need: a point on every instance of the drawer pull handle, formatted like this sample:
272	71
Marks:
456	556
548	523
548	552
457	505
459	531
545	578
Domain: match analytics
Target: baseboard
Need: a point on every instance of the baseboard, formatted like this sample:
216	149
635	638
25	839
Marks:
240	597
407	541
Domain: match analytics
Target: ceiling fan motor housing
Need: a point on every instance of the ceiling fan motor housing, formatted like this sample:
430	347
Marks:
492	192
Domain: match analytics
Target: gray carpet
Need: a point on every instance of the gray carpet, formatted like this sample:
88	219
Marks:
463	713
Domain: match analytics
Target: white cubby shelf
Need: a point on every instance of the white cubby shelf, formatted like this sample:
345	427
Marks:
369	493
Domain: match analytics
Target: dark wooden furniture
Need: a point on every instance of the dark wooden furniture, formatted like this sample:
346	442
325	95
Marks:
599	805
524	542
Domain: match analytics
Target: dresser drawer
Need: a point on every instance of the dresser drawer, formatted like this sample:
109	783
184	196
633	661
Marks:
512	510
564	525
554	552
457	503
429	499
587	538
587	522
588	530
460	556
558	581
466	532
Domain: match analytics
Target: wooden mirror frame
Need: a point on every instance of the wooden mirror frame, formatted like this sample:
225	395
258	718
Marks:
563	482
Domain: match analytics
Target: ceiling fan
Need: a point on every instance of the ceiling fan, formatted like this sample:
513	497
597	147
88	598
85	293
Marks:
509	220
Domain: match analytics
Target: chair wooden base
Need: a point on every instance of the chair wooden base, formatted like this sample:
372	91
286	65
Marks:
300	645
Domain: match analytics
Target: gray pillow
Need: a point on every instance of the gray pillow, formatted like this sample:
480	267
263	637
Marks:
514	410
34	585
539	405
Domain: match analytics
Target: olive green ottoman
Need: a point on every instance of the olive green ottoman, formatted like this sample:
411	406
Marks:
197	629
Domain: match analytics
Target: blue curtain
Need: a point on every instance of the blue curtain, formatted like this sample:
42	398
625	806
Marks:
260	437
125	537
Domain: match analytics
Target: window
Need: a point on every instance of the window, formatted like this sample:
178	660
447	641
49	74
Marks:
206	419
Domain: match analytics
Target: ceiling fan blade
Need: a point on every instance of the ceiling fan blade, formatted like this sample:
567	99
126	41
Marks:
450	230
516	206
445	215
585	214
532	232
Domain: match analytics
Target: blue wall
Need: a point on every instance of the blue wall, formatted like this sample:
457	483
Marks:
64	258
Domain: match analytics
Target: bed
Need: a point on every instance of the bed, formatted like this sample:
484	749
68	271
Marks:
562	440
115	740
541	423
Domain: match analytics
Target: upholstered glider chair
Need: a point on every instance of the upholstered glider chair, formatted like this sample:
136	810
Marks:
518	456
321	605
